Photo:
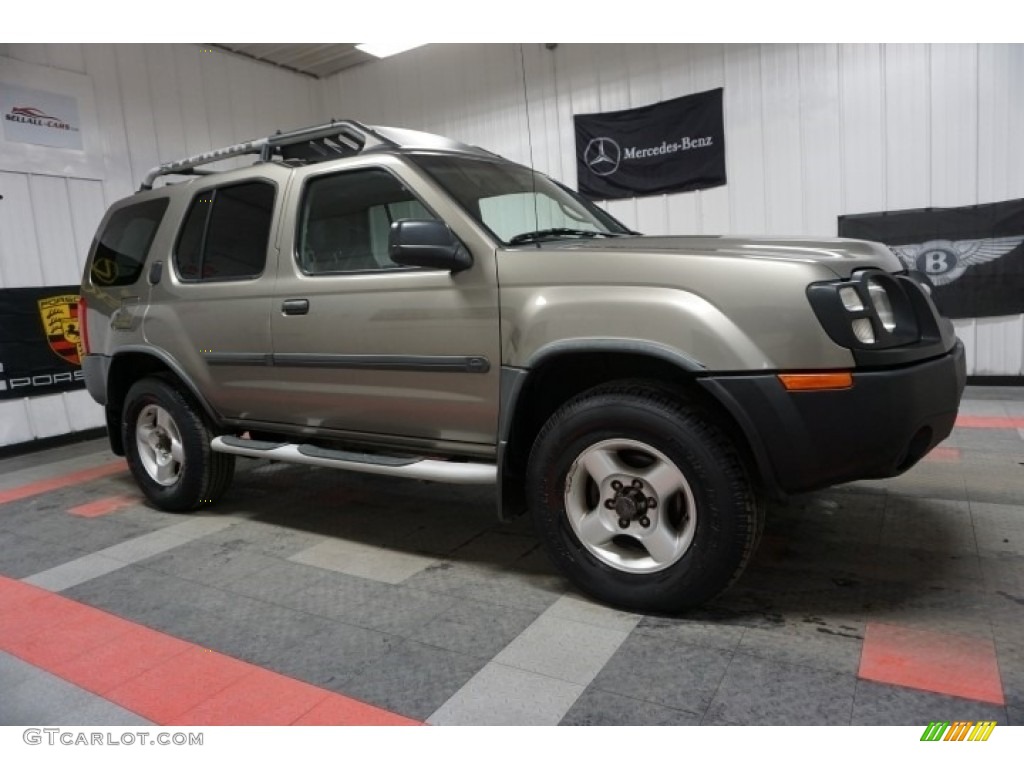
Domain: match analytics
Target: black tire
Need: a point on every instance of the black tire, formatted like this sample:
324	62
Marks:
201	476
705	526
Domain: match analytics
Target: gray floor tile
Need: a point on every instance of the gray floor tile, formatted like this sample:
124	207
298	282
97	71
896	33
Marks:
918	568
216	564
671	674
101	712
22	556
275	582
586	611
595	707
260	634
983	401
413	679
253	535
336	595
931	524
681	630
330	658
759	691
500	695
371	604
1010	657
809	646
1004	573
999	528
878	704
57	526
562	649
517	589
35	465
42	699
940	610
399	611
75	572
354	558
495	548
475	628
443	538
13	671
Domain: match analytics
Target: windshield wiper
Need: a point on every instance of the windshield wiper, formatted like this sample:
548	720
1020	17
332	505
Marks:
557	232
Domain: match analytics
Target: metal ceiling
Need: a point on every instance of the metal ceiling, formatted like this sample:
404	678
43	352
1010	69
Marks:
313	59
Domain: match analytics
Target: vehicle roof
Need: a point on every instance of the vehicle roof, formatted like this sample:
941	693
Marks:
314	144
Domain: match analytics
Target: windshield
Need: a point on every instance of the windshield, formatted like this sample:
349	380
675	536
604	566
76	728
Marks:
516	204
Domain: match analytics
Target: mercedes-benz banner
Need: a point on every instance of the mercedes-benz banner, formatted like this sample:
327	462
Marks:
671	146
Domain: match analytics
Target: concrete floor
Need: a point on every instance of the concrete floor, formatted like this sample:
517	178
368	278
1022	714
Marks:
314	596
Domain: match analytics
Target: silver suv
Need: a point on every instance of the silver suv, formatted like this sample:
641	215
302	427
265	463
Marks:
387	301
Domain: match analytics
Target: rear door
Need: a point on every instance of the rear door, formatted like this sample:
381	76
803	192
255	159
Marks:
210	309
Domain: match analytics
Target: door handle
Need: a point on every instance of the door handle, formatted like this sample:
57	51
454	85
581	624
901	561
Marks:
295	306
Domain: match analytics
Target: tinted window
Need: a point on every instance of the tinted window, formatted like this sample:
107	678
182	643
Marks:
122	246
346	218
225	233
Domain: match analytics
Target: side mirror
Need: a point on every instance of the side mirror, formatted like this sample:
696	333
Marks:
427	243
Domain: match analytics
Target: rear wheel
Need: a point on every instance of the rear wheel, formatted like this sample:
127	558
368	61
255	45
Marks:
641	500
167	444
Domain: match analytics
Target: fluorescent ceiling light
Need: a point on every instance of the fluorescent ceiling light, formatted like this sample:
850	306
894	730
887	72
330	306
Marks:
383	50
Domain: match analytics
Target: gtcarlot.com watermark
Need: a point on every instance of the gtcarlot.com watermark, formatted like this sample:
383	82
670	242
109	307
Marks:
72	738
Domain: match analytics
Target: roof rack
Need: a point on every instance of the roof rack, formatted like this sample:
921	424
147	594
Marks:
338	138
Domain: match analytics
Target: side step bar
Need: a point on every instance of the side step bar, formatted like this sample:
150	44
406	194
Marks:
414	467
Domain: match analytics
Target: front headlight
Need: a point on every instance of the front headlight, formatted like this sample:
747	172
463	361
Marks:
883	306
870	310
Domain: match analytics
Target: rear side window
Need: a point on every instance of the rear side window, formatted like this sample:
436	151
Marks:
122	246
225	233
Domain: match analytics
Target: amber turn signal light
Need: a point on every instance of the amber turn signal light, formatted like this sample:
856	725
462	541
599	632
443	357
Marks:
803	382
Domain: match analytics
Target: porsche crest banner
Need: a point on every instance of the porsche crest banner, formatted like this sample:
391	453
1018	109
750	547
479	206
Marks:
973	256
40	342
671	146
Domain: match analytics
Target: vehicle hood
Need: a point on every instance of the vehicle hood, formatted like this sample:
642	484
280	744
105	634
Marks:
843	256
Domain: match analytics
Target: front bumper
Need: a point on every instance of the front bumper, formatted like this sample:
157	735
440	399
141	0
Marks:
880	427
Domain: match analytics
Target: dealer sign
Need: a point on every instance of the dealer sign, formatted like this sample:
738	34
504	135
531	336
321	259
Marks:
39	117
671	146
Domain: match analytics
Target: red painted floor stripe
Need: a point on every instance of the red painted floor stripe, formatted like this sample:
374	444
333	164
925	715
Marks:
104	506
159	677
943	455
989	422
939	662
62	481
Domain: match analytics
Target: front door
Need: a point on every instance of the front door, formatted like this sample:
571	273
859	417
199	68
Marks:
366	346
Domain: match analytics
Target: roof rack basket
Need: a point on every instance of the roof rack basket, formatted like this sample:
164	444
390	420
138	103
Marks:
338	138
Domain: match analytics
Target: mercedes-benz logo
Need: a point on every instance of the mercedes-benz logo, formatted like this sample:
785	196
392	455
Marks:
602	156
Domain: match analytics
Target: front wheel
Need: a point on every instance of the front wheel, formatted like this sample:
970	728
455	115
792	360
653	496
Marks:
641	500
167	444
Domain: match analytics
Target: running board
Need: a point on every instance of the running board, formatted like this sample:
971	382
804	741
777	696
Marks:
414	467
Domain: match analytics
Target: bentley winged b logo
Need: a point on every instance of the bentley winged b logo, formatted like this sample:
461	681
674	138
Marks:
944	261
602	156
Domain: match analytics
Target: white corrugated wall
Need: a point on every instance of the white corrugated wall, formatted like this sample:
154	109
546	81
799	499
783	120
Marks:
812	131
154	103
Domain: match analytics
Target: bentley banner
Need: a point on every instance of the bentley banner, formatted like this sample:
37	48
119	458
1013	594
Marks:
974	256
671	146
40	346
